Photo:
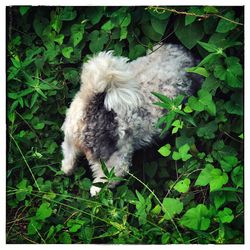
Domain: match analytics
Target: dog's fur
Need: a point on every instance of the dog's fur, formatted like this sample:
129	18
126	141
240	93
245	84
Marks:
112	114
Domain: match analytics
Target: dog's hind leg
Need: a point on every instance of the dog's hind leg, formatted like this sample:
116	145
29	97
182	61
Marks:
70	152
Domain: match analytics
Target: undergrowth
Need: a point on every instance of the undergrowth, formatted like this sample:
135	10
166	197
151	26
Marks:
186	189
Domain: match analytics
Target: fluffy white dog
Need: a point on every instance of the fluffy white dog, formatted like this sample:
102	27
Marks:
112	115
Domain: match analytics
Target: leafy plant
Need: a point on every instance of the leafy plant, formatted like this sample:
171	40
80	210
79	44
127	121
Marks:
190	191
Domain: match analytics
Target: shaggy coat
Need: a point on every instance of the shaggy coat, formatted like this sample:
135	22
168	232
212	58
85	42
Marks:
112	114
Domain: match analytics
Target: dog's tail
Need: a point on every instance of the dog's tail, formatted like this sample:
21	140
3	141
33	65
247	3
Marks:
106	73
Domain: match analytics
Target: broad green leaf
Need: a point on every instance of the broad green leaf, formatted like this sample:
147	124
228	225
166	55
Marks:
208	130
65	238
108	26
39	125
211	9
23	190
212	176
165	150
34	226
156	210
225	25
219	199
205	176
158	25
226	215
196	218
182	154
149	31
59	39
56	22
191	18
67	52
97	40
44	211
237	176
182	186
171	207
198	70
208	46
23	10
219	179
68	14
228	162
39	24
136	51
165	238
77	31
123	33
188	35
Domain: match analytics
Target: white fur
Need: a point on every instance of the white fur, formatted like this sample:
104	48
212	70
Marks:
128	87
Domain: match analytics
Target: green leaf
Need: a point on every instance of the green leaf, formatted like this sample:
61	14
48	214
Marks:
23	10
39	24
34	226
67	52
136	51
39	125
211	9
56	22
208	130
212	176
165	238
219	199
224	25
182	186
158	25
171	207
208	46
97	40
149	31
59	39
196	218
198	70
123	33
44	211
188	35
237	176
191	18
226	215
108	26
65	238
182	154
23	190
165	150
68	14
77	31
228	162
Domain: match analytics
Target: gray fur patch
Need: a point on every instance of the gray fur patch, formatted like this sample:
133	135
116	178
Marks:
100	134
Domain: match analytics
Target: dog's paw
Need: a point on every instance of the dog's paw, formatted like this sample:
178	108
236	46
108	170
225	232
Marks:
94	191
68	170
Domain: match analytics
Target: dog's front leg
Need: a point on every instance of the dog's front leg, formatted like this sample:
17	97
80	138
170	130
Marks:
69	156
98	177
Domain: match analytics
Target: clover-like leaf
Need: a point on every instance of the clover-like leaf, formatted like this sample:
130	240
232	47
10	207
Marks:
226	215
165	150
44	211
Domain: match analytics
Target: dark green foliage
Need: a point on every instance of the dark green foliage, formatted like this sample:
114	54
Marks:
189	190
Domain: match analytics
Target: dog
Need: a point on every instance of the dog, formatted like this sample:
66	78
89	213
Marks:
113	114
